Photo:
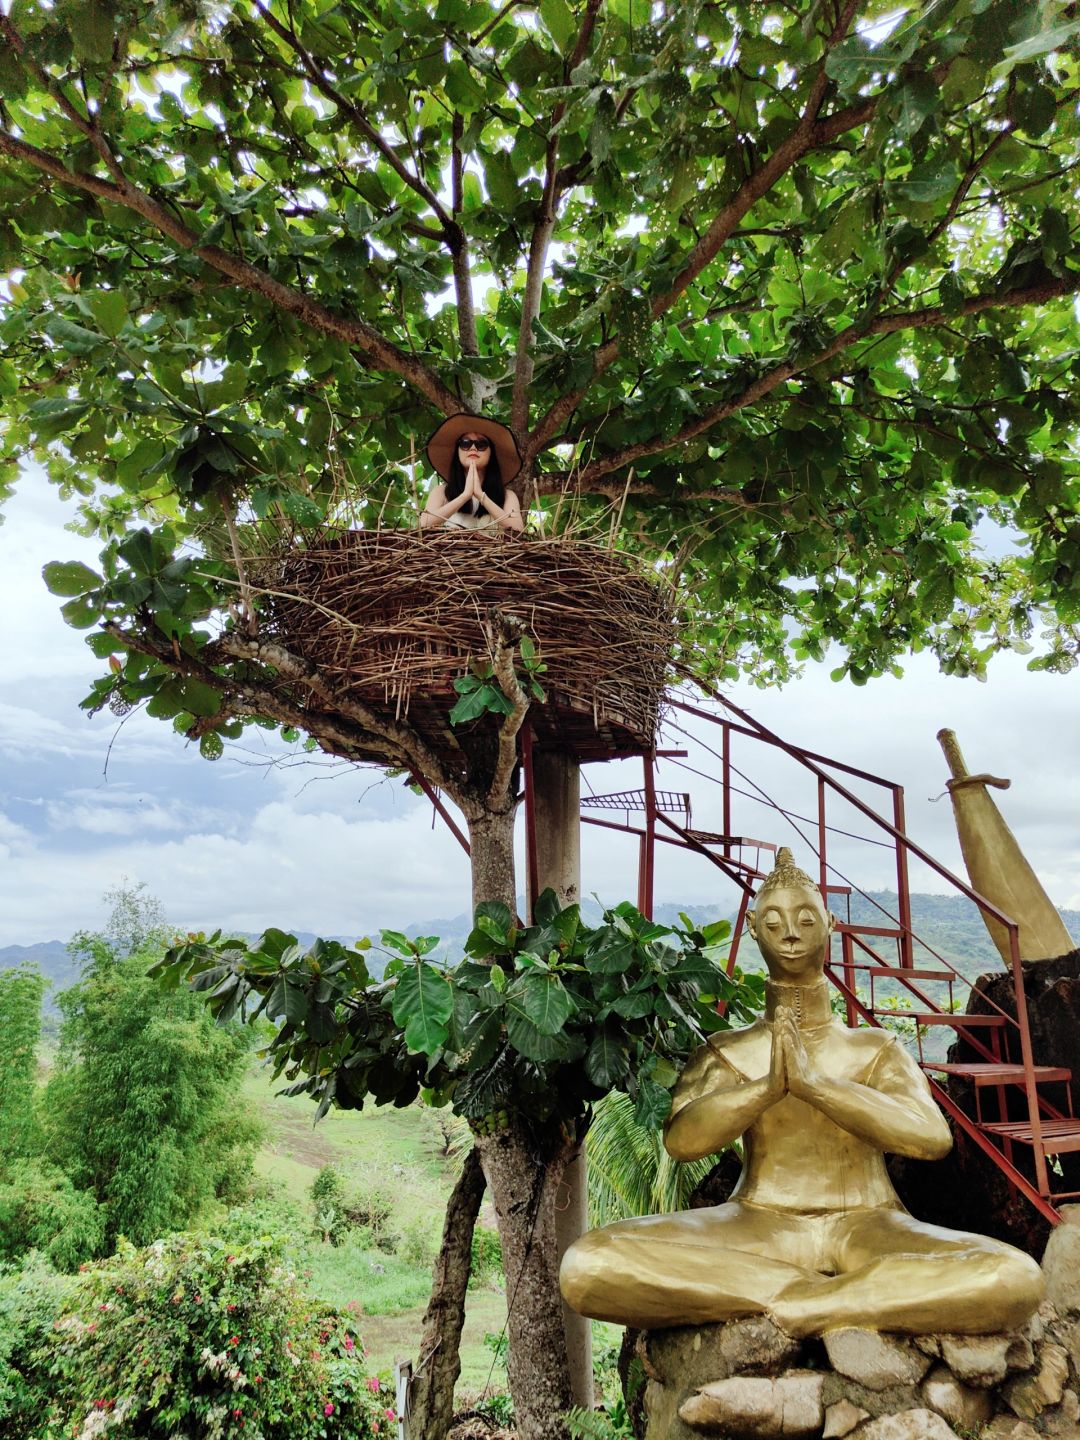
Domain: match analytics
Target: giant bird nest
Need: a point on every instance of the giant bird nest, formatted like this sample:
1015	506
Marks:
393	618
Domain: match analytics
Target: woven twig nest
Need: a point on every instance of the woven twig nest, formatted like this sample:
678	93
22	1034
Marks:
393	618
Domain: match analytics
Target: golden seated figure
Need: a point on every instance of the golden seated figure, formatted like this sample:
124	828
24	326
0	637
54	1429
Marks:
814	1234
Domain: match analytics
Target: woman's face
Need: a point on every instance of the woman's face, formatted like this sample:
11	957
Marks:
474	449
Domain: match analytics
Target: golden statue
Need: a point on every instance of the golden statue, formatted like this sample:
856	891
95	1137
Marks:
814	1234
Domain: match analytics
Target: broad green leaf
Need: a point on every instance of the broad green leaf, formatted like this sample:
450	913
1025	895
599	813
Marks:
91	26
109	309
76	339
544	999
653	1105
606	1061
527	1040
559	22
70	577
423	1003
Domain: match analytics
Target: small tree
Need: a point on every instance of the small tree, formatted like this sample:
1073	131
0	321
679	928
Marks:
140	1109
21	992
522	1038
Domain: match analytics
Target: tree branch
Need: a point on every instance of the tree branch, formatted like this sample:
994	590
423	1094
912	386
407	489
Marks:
355	333
541	236
402	738
459	253
246	698
503	633
811	133
355	114
888	324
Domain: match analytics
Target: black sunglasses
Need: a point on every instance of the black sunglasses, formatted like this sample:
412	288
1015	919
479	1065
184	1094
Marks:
480	444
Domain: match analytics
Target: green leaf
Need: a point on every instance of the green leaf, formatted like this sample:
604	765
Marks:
423	1003
91	26
109	309
52	416
70	577
211	746
606	1061
544	999
1044	42
527	1040
916	100
81	613
76	339
653	1105
612	957
471	707
558	21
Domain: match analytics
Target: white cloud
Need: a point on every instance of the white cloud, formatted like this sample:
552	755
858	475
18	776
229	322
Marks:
315	871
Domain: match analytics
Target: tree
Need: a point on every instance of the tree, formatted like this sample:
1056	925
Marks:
140	1111
787	286
22	990
796	278
521	1039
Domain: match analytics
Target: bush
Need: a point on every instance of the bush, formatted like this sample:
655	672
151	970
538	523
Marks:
328	1201
40	1209
486	1254
419	1243
30	1300
202	1336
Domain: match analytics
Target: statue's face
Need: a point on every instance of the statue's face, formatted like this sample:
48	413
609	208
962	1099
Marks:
791	927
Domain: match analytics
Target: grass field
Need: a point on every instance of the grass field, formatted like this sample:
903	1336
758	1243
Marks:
396	1152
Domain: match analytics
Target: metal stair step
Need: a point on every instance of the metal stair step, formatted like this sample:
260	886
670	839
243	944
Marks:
1002	1074
1059	1137
942	1017
899	972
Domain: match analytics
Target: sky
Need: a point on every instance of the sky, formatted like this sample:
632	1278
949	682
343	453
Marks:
267	836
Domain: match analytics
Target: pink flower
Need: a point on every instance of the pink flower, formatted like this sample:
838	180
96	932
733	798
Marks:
349	1343
390	1415
373	1384
328	1409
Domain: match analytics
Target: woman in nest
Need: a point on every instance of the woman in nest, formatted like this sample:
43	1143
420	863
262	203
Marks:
476	459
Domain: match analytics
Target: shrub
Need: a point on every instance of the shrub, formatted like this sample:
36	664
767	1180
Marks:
486	1254
203	1336
40	1209
419	1244
30	1300
328	1201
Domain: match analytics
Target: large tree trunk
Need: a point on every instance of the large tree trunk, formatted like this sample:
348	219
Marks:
523	1177
491	839
431	1394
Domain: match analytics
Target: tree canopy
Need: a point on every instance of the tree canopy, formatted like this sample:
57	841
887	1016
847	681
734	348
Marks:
785	288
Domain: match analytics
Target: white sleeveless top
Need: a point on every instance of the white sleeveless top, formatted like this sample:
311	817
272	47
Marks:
460	521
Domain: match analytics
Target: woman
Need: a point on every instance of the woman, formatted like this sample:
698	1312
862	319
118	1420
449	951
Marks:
476	459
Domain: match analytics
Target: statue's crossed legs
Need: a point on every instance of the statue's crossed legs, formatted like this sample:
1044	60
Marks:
812	1272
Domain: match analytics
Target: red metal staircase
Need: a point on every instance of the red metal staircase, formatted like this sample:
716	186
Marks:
1022	1111
1031	1123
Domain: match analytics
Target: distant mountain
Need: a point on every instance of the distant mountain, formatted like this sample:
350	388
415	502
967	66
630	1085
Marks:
51	958
949	924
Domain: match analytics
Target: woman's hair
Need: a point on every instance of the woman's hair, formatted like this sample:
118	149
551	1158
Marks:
494	488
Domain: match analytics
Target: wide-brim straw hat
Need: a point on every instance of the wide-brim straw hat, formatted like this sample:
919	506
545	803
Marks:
443	443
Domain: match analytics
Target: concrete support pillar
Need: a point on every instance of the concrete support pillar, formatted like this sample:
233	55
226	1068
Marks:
557	789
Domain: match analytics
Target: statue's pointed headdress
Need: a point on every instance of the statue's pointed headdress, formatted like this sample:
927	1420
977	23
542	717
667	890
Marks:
786	874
